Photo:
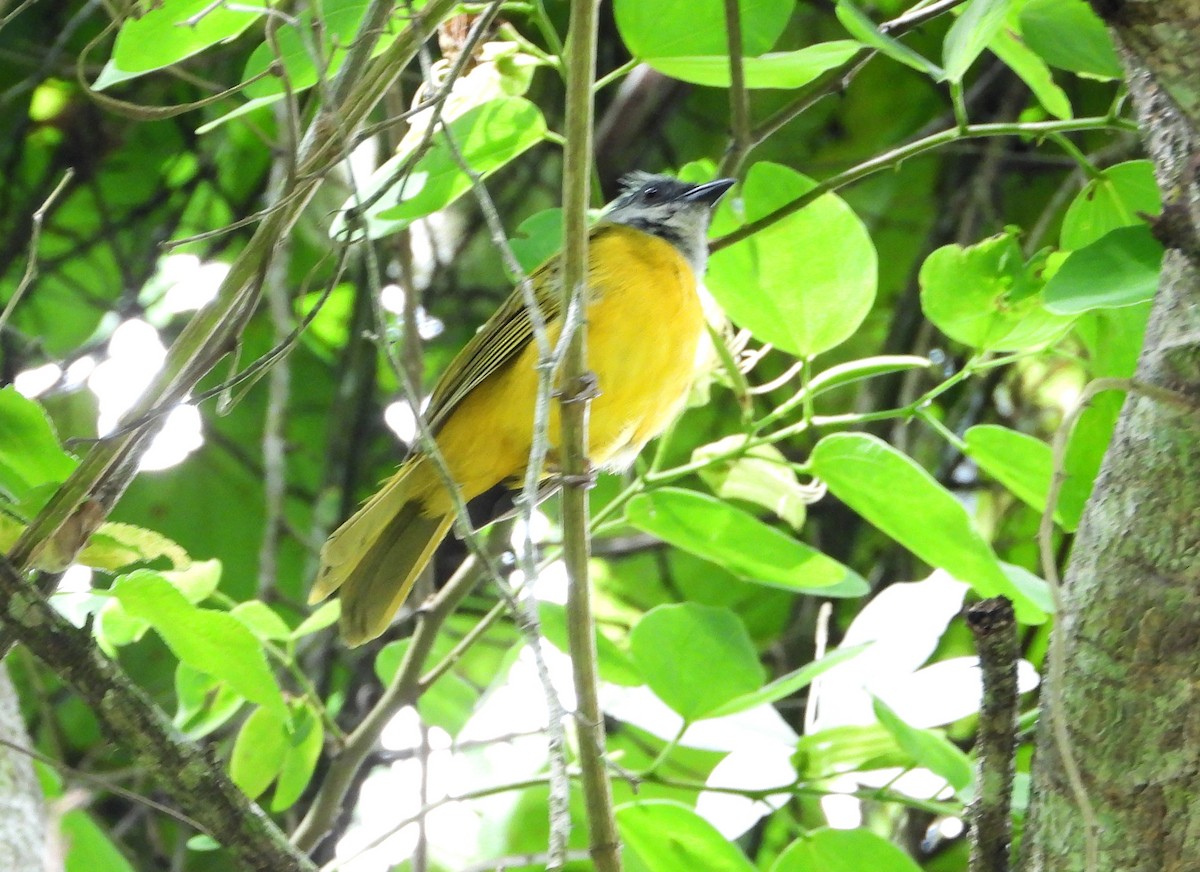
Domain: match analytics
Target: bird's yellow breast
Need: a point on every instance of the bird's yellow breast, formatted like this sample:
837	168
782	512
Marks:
644	321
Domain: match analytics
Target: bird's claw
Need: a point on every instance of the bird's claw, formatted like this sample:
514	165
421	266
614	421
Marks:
586	387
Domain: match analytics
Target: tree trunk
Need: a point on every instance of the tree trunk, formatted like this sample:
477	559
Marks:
1131	632
22	823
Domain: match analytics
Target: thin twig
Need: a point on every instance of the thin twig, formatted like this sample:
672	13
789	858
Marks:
139	112
397	826
515	861
35	235
101	783
898	155
420	855
800	788
17	10
995	628
248	377
50	57
525	609
836	79
478	29
797	787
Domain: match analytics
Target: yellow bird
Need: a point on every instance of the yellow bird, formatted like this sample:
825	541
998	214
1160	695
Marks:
644	322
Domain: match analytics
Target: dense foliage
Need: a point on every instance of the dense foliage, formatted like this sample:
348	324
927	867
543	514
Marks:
938	238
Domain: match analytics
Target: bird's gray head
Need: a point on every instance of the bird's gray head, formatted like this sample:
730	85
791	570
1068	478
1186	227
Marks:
673	210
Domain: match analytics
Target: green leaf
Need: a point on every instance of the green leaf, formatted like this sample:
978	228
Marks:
861	27
305	740
695	658
203	842
166	33
115	627
896	495
88	846
1018	461
538	238
760	476
262	620
325	616
1118	197
114	546
740	542
1085	452
1031	585
930	749
970	35
857	850
30	455
198	582
987	296
806	282
680	28
614	664
1113	339
666	836
331	324
844	749
258	754
1070	36
210	641
449	704
488	137
204	703
786	685
388	660
1027	64
1119	269
786	69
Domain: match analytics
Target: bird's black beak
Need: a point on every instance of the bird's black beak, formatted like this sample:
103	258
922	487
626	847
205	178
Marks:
710	193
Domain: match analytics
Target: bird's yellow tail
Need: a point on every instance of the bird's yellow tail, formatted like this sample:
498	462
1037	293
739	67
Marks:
374	558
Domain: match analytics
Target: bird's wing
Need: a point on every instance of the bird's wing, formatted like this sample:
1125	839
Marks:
502	337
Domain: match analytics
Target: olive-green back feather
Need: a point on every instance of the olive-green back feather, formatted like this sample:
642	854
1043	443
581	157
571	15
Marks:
504	336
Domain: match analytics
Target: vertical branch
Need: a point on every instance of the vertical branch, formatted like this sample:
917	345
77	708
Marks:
739	97
581	66
994	625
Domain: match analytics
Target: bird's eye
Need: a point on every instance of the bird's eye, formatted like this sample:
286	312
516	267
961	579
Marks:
650	194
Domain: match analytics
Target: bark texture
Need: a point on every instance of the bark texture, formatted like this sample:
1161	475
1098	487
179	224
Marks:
22	818
1131	632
